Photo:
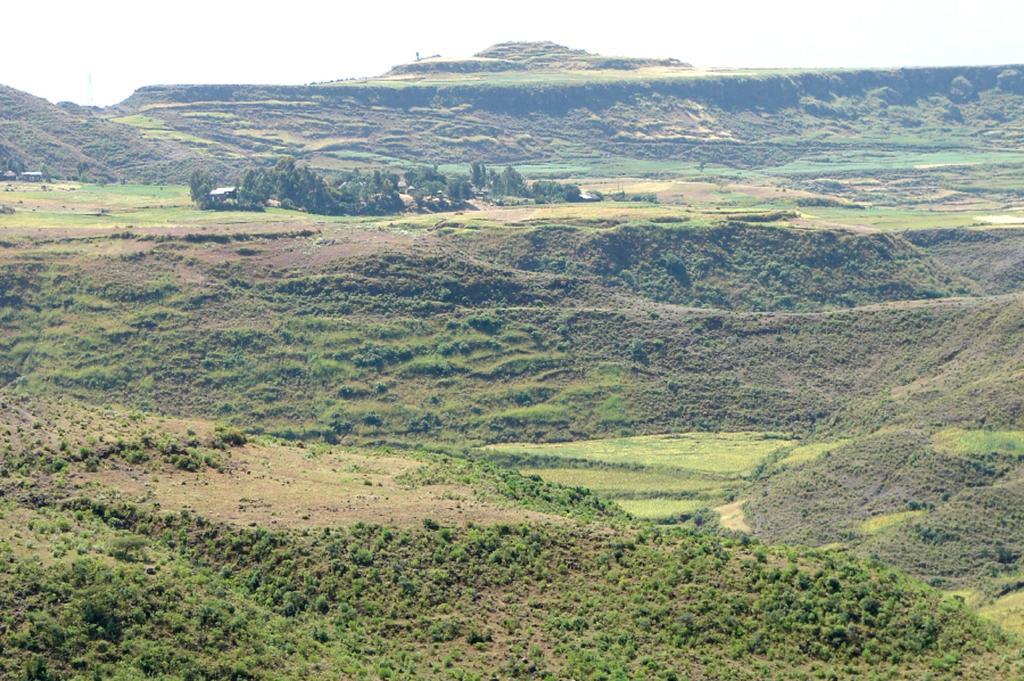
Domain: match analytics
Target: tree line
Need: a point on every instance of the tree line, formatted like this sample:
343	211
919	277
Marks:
358	192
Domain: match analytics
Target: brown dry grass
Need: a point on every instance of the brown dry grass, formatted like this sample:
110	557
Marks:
274	485
732	517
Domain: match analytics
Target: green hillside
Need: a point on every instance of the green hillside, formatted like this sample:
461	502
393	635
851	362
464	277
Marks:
100	580
739	397
72	141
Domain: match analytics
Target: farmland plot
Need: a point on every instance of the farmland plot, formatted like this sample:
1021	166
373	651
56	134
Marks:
664	478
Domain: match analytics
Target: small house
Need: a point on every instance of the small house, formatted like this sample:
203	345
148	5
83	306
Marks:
9	176
222	194
31	176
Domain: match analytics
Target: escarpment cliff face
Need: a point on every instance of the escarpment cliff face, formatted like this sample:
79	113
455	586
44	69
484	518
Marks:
542	103
534	103
766	90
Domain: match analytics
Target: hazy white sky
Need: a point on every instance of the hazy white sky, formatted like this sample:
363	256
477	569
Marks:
98	52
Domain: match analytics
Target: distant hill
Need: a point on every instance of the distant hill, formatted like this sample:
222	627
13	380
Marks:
529	56
565	111
573	112
67	140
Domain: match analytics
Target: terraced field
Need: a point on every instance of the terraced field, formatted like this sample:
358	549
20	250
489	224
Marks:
664	478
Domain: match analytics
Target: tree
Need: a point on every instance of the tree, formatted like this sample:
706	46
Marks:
255	189
459	189
478	173
199	187
129	549
510	183
548	191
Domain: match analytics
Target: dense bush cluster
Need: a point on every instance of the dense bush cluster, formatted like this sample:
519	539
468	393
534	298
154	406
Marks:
562	602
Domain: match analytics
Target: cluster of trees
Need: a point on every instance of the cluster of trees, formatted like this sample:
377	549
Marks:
510	184
427	184
301	188
373	193
10	163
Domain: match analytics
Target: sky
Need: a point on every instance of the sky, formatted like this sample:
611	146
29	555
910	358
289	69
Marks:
99	52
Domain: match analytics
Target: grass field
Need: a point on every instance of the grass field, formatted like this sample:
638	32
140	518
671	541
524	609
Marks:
1008	611
715	453
627	481
810	452
72	204
882	522
900	159
695	201
980	442
893	218
659	477
155	128
661	509
271	485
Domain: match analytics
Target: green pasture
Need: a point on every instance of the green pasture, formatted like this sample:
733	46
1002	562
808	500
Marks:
980	442
810	452
69	205
654	477
894	218
661	508
844	162
882	522
715	453
627	481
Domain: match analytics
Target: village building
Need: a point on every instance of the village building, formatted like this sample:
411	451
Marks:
222	194
31	176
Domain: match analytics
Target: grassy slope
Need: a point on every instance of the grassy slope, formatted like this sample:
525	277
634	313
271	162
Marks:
495	334
560	602
154	592
70	141
354	334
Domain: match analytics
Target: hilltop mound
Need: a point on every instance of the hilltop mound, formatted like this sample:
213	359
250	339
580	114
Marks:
524	56
545	54
527	51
